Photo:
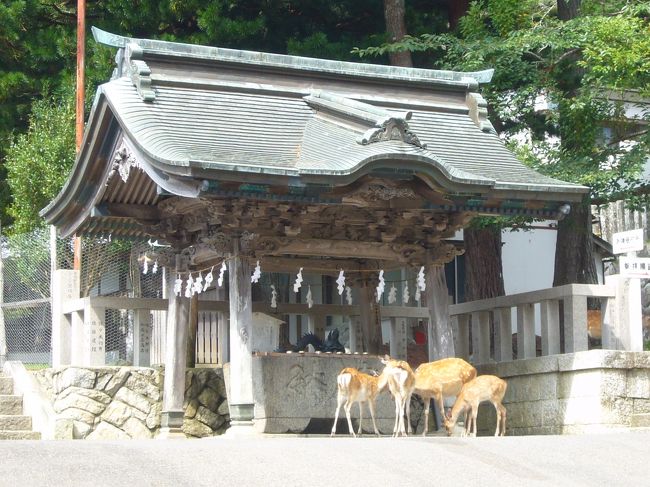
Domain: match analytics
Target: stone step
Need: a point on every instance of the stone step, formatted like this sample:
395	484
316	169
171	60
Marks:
15	422
6	385
19	435
11	405
640	420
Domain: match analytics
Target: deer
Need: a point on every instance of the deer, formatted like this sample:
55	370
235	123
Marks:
482	388
401	381
355	386
440	379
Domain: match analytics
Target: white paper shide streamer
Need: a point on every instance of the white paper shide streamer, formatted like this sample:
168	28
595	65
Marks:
422	285
208	280
178	285
405	294
348	295
392	294
221	271
257	273
274	297
198	285
298	283
189	287
309	298
380	286
340	281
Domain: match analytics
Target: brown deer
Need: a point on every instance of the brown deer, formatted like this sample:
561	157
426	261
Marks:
401	381
355	386
483	388
440	379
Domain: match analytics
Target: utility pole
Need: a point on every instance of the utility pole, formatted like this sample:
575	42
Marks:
81	55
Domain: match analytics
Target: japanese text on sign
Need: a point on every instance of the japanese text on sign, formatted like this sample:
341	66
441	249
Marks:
629	241
635	267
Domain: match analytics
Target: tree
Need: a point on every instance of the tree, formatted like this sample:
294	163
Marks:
581	67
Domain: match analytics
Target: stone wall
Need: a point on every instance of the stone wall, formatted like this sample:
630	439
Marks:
126	402
582	392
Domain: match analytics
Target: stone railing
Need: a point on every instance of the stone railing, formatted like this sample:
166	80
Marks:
620	311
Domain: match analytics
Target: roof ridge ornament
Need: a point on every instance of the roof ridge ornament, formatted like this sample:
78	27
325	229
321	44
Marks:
390	128
387	125
139	71
123	161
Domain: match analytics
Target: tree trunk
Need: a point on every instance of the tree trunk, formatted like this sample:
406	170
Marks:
483	265
394	12
568	9
440	336
574	263
456	10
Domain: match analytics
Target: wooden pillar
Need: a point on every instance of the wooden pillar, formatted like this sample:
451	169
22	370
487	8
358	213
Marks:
462	336
142	326
355	325
398	338
240	399
175	356
223	336
370	319
440	337
192	326
94	333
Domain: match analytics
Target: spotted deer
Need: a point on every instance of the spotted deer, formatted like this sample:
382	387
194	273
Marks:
400	380
482	388
440	379
355	386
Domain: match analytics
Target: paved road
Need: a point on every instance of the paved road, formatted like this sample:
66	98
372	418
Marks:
611	459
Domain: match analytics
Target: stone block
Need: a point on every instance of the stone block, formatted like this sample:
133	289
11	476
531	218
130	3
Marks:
77	414
209	398
93	394
518	368
11	404
136	429
79	401
63	429
153	418
208	417
640	420
6	385
638	383
192	427
534	387
294	392
641	406
74	376
223	408
591	382
141	384
80	430
115	384
596	359
106	431
133	399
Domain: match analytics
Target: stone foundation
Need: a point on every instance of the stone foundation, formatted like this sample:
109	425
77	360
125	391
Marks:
584	392
126	402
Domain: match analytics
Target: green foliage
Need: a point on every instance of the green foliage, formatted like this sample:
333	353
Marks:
582	68
39	161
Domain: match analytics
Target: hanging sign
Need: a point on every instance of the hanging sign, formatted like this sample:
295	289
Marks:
635	267
630	241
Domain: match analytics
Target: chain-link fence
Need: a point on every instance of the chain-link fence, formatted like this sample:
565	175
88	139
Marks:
108	268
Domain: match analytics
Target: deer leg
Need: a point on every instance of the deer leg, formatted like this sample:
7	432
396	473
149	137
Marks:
441	406
503	420
427	405
348	407
371	407
339	403
360	417
395	426
474	414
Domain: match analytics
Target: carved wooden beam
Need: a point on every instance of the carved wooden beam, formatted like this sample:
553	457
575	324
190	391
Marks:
124	210
403	253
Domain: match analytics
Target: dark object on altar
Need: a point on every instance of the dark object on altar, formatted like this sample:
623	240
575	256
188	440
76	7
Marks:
331	343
